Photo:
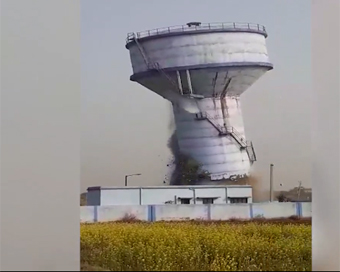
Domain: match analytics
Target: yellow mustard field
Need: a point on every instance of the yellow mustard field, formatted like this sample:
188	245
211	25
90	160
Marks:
189	246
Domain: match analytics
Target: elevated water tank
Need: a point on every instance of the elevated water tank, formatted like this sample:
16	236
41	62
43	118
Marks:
203	69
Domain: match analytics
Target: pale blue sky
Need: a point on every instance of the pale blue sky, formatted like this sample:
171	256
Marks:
126	127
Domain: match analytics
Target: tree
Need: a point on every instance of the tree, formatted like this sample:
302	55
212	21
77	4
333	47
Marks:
83	199
281	197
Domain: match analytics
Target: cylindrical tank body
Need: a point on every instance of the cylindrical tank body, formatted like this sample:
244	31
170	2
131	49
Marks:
202	70
221	156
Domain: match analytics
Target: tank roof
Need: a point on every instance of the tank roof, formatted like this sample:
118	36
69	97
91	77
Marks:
197	27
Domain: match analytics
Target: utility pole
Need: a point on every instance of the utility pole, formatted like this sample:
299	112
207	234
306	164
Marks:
271	182
299	191
194	194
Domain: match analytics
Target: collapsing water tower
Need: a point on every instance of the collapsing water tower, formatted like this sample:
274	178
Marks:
202	69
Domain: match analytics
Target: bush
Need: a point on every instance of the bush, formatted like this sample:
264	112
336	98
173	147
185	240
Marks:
190	246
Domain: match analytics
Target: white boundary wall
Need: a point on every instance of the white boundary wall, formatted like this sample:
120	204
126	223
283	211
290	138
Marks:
89	214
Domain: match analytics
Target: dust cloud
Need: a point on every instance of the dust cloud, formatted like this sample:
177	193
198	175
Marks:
260	193
173	169
172	144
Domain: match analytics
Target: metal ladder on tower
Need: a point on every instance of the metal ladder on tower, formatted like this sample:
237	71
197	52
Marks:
204	116
229	130
251	152
247	145
154	65
237	136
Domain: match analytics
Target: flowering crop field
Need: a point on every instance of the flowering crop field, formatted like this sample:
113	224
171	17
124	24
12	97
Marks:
195	246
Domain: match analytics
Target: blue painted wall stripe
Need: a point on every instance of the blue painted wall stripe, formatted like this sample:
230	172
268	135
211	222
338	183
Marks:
149	213
153	208
95	213
299	209
209	212
251	212
296	209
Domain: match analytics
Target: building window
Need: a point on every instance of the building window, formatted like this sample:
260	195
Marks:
238	200
185	200
208	200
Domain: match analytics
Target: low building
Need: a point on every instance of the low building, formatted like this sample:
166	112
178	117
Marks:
153	195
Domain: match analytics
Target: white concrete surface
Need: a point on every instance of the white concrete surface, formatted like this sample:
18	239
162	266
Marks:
181	212
226	212
168	195
157	195
127	196
190	212
90	214
306	209
274	209
221	156
245	192
201	49
107	213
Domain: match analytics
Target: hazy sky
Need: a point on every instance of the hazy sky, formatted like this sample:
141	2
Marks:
126	127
